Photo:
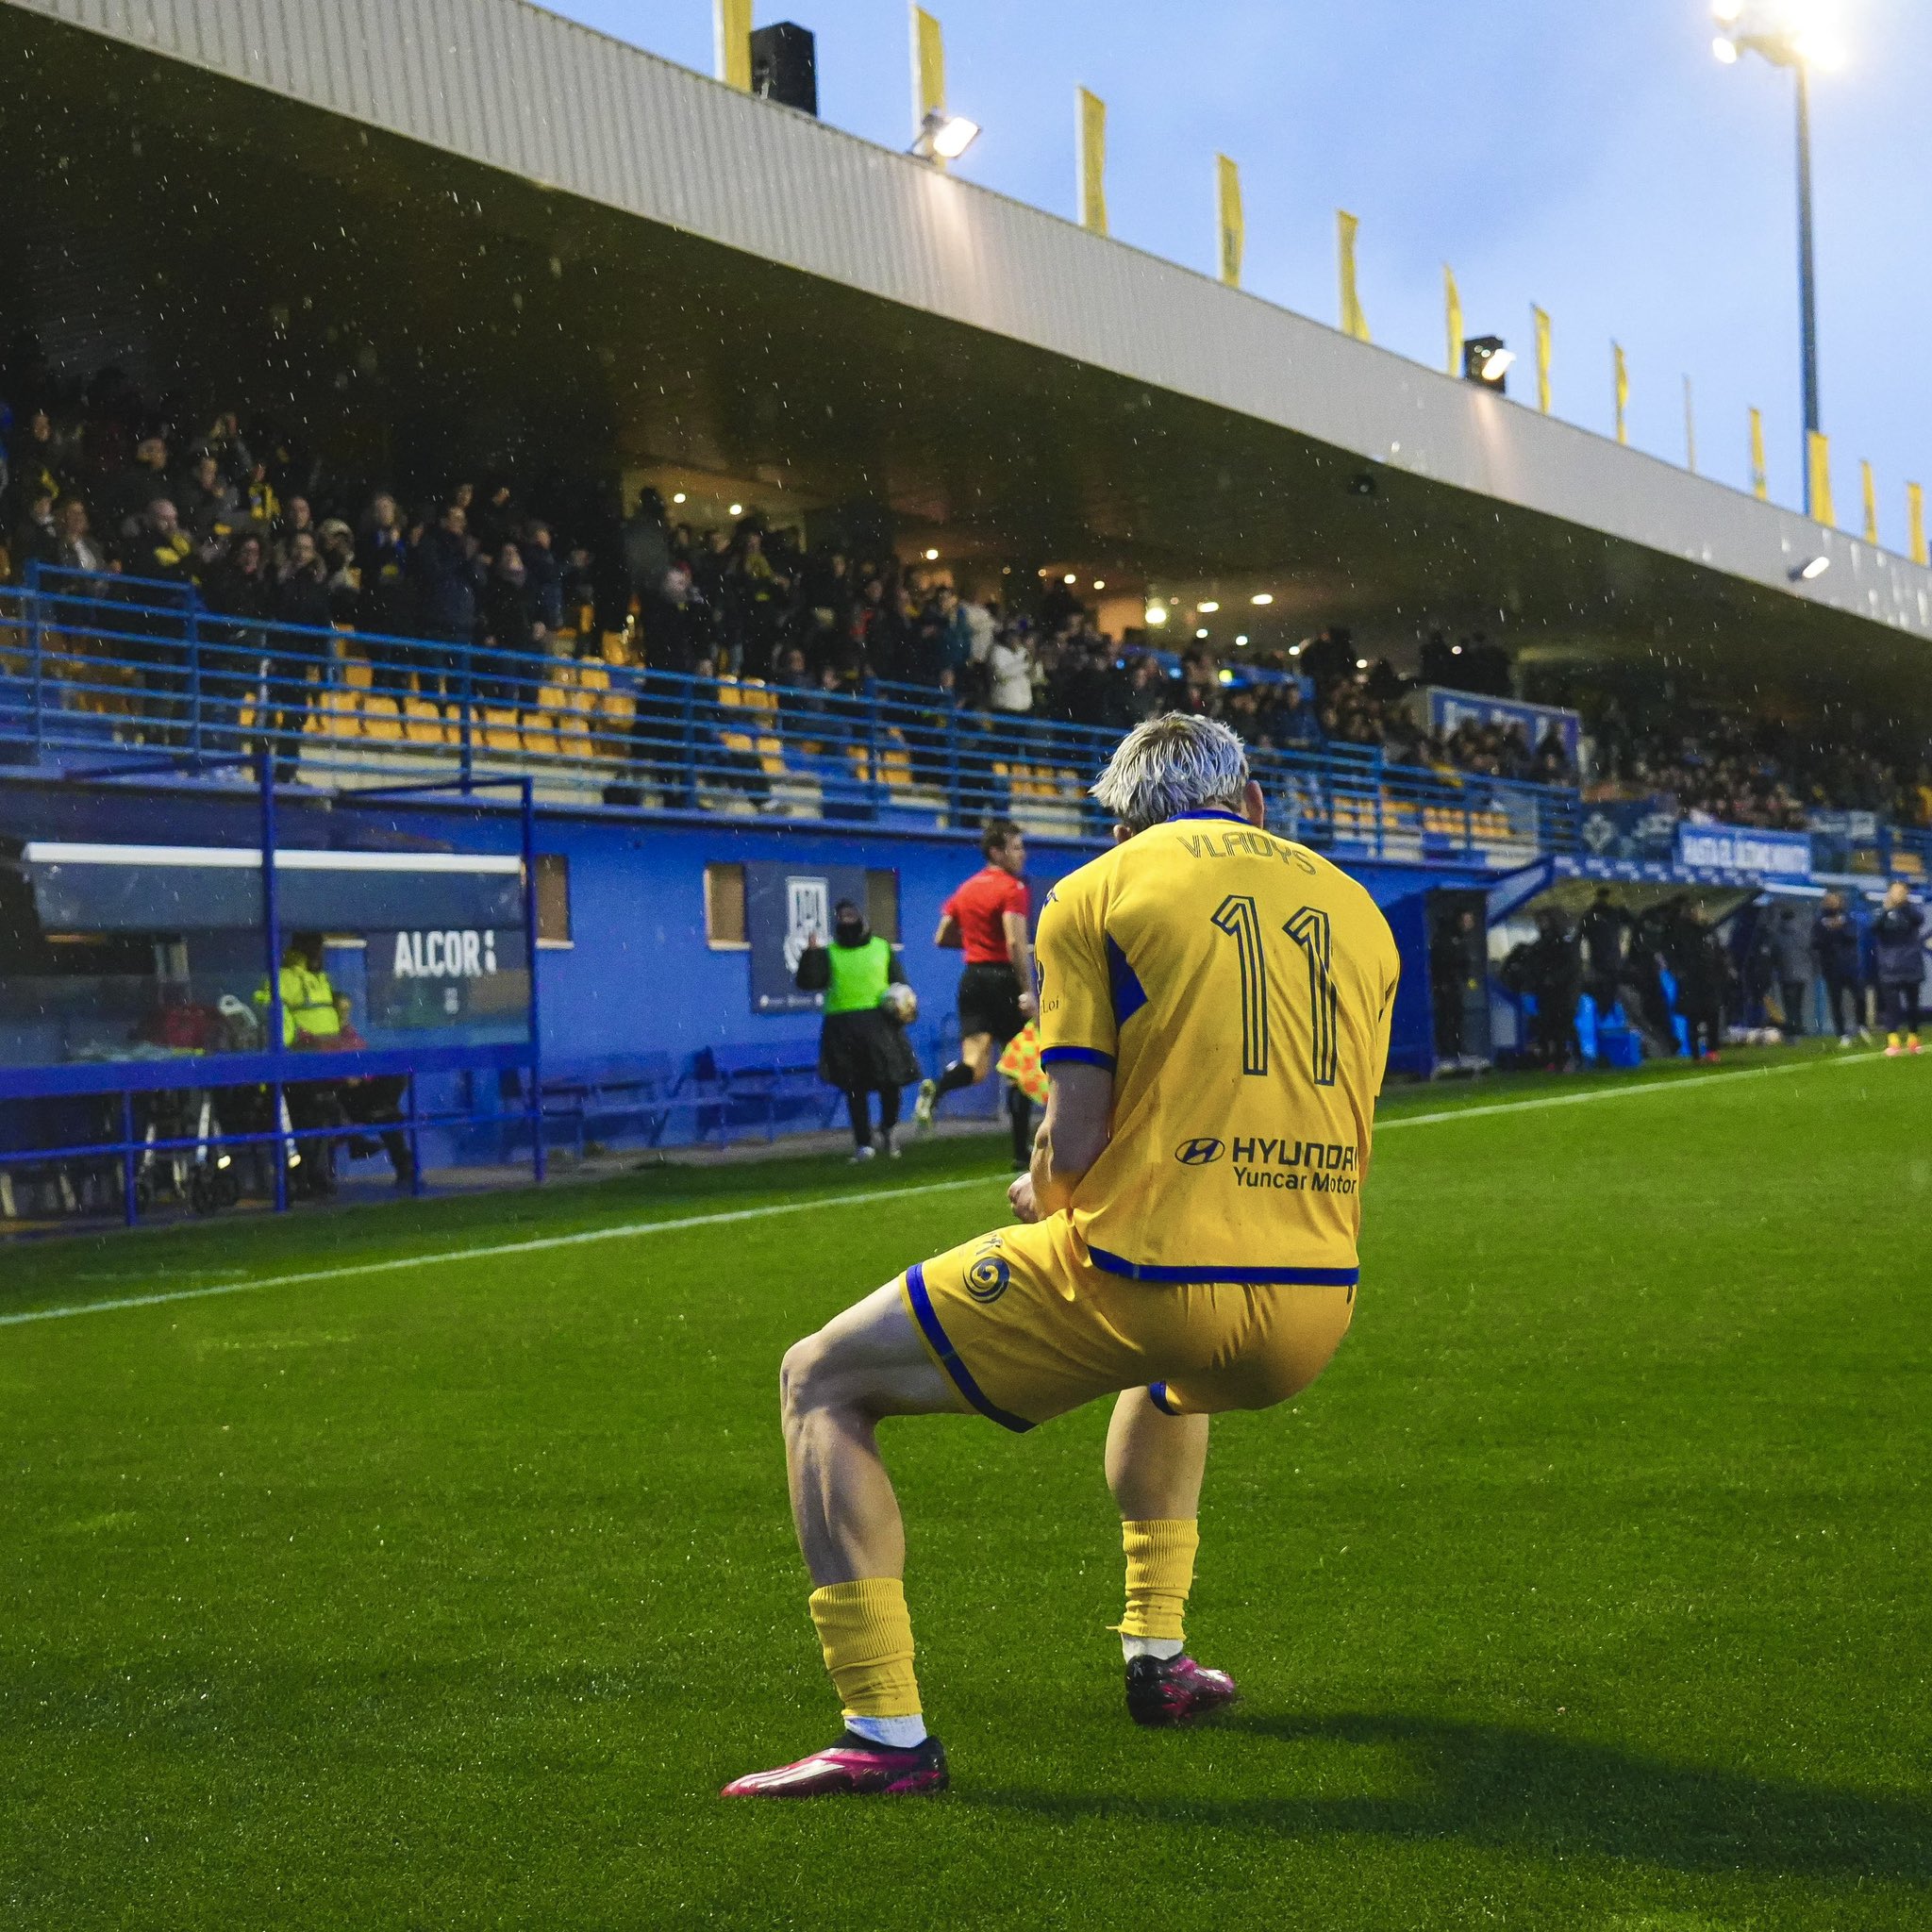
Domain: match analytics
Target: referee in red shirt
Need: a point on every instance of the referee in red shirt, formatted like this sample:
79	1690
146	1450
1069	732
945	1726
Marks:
987	920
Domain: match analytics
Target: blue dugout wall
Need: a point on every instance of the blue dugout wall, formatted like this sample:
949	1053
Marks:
640	974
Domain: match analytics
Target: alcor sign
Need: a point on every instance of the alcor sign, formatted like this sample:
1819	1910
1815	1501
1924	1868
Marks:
454	955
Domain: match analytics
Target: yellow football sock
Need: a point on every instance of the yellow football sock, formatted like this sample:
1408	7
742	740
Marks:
867	1639
1161	1571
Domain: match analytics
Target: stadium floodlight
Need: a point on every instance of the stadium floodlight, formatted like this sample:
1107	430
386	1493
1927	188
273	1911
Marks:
1209	605
1486	360
1261	599
944	137
1811	570
1801	35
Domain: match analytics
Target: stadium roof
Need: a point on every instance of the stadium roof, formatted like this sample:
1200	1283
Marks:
475	205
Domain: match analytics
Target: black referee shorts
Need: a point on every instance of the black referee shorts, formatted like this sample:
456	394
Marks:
989	1002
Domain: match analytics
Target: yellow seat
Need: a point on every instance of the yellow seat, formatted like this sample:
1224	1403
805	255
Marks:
615	710
358	674
382	719
336	714
502	728
423	722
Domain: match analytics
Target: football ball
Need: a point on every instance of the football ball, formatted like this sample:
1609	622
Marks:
902	1002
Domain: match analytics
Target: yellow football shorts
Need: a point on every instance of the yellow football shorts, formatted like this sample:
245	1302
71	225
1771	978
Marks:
1028	1328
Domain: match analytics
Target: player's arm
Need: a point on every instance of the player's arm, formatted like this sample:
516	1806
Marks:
1020	953
1073	1134
948	933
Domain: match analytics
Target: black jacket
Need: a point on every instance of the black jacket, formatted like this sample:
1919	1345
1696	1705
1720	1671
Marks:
1835	946
1898	954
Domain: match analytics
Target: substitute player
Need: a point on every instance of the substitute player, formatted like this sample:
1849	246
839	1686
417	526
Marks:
1214	1013
987	920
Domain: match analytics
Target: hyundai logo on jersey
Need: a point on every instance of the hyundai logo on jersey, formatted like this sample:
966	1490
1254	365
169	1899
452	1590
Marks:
1199	1153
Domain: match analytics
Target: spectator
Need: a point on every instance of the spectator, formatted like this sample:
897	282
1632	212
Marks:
1703	971
301	653
79	549
37	539
544	586
508	633
133	495
298	520
209	505
1792	949
1898	959
1010	664
1835	951
445	581
647	558
336	544
1603	930
382	595
240	591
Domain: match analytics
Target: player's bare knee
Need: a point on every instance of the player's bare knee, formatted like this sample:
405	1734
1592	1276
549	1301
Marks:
801	1377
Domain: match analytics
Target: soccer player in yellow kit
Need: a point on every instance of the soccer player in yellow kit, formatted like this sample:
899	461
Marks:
1214	1009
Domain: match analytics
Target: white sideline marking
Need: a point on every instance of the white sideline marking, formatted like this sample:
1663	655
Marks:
626	1230
637	1229
1676	1086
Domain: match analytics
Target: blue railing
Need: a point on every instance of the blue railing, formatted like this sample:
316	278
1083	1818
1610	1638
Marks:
93	665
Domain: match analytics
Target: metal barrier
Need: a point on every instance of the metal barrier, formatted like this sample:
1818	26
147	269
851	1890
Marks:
93	665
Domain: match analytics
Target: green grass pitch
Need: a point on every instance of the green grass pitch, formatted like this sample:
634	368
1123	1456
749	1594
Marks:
1588	1589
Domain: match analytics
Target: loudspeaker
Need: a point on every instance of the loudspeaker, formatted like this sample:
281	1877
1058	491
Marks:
785	66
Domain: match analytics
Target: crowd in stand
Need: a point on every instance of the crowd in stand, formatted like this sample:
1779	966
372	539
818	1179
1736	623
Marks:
265	534
1752	773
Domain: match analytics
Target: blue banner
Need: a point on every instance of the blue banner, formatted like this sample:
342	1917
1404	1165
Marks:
1744	848
1450	708
783	906
1639	831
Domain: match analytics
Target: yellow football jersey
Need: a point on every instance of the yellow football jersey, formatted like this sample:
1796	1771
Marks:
1240	987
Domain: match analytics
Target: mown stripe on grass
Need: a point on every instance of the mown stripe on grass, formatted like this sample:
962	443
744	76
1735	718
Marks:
1583	1099
635	1230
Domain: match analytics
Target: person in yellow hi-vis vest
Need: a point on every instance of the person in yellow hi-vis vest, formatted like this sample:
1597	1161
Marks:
311	1022
308	1001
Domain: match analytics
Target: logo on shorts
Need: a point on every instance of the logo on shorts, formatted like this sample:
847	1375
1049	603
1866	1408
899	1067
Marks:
987	1279
1199	1153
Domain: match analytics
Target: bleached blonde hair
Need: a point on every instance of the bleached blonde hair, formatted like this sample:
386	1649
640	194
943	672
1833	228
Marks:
1170	765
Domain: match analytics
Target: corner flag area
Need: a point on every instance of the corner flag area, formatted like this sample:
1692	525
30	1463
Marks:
429	1562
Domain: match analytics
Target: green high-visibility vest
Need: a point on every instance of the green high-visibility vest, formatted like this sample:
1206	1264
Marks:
859	975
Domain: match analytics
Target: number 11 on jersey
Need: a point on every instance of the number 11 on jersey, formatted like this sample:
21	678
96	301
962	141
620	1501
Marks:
1240	919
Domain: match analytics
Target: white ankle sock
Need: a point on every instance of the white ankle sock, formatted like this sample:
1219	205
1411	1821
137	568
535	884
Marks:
1160	1647
895	1732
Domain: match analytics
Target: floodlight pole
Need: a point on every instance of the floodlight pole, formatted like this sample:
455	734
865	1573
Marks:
1807	284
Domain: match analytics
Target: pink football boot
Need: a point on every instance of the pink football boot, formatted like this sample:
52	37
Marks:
1175	1690
853	1768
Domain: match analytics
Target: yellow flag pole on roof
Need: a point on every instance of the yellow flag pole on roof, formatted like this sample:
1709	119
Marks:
731	26
928	72
1231	224
1354	322
1760	475
1452	315
1090	112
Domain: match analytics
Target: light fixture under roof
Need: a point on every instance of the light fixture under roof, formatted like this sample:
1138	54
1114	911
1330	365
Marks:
1207	604
932	557
1811	570
677	496
735	509
1263	598
1157	614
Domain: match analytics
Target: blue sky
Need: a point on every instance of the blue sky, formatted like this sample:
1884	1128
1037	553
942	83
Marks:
1594	159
